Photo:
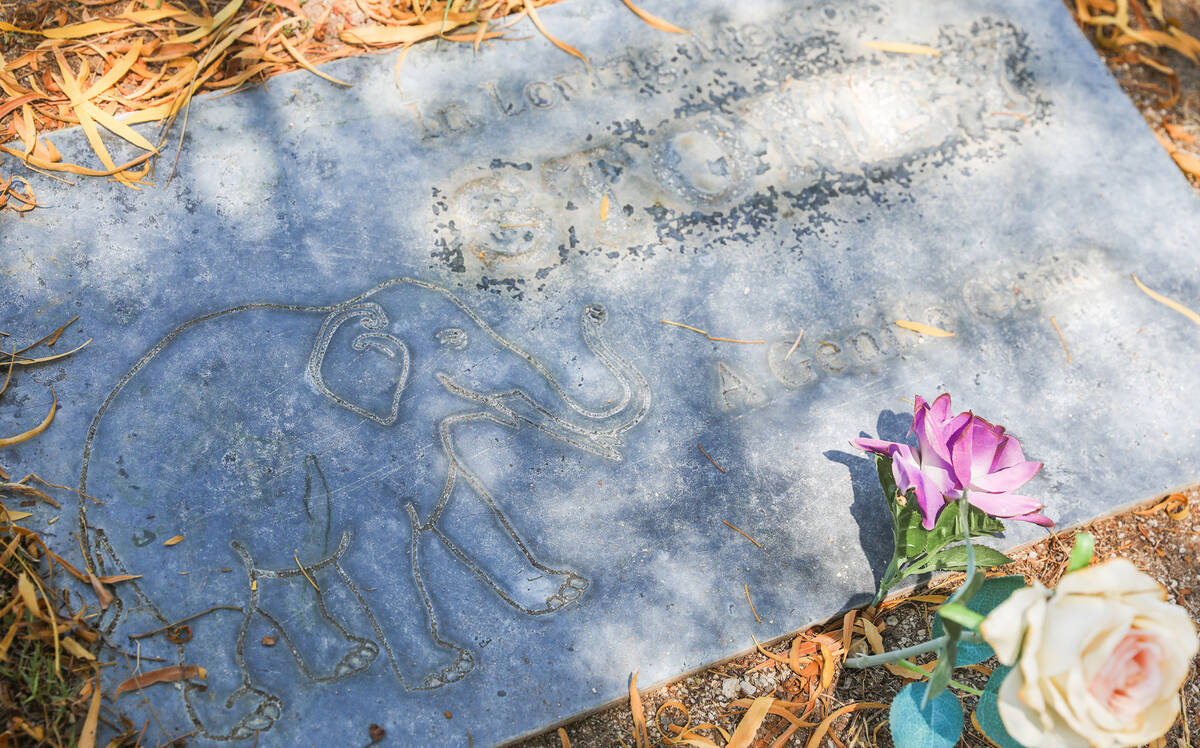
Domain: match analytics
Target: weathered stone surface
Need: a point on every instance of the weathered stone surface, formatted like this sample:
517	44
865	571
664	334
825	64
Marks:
390	337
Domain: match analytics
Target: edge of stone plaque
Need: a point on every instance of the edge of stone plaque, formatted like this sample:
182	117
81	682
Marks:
899	591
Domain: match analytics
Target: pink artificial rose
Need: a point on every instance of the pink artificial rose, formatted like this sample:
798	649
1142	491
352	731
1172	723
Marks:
956	456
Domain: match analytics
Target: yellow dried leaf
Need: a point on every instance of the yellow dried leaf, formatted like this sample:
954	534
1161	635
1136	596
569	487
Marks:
173	541
903	48
923	329
76	649
640	735
92	28
28	593
116	72
1167	302
654	20
826	667
750	723
902	672
1186	161
87	738
873	637
304	63
533	16
116	126
604	208
7	641
26	436
818	734
378	35
223	15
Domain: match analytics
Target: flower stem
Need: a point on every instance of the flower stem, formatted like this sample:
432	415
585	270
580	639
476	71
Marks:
865	661
954	683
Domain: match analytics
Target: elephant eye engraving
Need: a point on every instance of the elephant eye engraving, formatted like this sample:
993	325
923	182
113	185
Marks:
452	337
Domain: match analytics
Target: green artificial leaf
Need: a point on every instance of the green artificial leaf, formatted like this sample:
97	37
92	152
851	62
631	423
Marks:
946	530
960	614
955	559
1082	552
908	535
992	592
983	524
937	724
987	713
883	465
943	672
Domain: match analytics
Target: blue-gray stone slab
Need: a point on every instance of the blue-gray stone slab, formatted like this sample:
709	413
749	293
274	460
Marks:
384	362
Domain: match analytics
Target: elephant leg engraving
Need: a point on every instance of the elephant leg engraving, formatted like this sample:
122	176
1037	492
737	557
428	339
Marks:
404	620
324	648
490	546
227	706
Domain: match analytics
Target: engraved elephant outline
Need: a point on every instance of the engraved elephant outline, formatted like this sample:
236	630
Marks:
249	428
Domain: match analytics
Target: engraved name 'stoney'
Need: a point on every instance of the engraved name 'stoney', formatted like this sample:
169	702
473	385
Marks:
727	163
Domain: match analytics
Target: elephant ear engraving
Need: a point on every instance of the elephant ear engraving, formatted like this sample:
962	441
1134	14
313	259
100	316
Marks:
359	367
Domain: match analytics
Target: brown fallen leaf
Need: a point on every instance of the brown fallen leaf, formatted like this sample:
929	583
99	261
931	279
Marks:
102	594
171	674
640	736
1178	133
537	21
654	20
818	734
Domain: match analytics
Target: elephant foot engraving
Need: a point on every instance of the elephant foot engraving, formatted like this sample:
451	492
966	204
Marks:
359	658
571	590
462	665
260	719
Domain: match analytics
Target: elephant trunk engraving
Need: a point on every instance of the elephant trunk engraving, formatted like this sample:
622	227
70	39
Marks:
597	430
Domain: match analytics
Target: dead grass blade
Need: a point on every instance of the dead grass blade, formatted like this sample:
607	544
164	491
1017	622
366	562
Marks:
1171	303
923	329
903	48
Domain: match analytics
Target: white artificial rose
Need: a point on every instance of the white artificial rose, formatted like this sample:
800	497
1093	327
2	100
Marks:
1099	660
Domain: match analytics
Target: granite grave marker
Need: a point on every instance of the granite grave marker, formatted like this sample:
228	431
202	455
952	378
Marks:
404	387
